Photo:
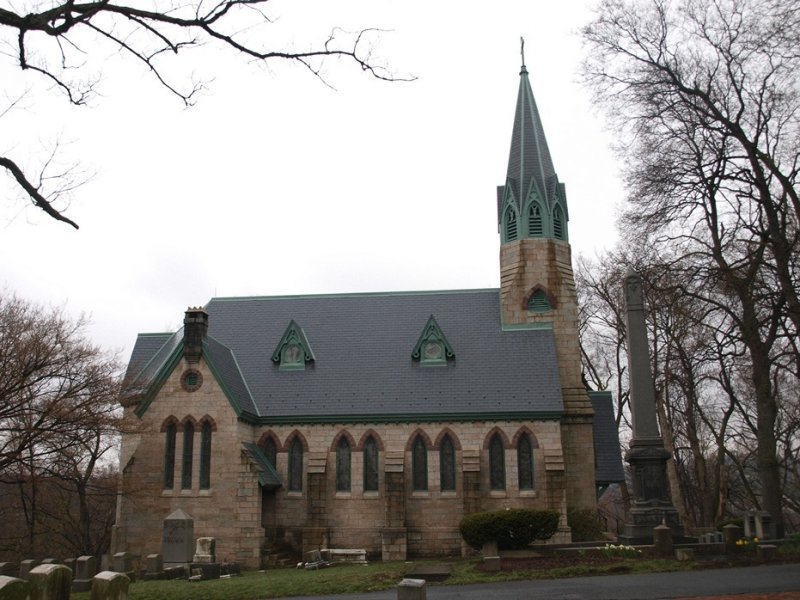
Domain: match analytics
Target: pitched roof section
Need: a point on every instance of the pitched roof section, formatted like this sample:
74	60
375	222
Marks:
363	370
267	475
530	165
607	453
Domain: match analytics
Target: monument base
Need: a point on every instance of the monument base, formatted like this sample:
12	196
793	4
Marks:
646	516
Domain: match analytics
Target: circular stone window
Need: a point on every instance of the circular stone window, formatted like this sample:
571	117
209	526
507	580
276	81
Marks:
191	380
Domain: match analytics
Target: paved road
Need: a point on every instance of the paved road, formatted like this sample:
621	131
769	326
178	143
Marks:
653	586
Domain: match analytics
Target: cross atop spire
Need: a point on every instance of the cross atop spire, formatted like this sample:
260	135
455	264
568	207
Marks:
522	50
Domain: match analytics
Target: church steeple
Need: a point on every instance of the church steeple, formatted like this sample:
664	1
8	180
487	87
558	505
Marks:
537	286
533	202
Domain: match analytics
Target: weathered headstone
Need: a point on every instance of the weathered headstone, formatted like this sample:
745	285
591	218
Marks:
492	563
205	552
85	570
50	561
12	588
732	534
177	542
50	582
662	540
70	564
109	585
647	456
25	567
154	566
123	562
411	589
9	569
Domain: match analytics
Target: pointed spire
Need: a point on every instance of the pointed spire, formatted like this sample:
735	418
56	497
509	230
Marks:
529	161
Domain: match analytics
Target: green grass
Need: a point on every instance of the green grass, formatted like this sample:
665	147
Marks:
278	583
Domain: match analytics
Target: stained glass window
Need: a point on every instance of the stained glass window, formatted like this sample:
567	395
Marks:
419	466
497	463
205	456
169	456
188	451
370	465
447	464
525	462
296	466
343	465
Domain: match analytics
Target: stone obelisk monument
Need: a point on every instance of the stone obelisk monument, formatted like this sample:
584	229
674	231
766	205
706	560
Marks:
651	505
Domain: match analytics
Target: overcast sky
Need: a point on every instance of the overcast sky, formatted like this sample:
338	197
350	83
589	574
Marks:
275	184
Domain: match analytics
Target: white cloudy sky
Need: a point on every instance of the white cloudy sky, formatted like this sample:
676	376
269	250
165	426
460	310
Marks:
276	184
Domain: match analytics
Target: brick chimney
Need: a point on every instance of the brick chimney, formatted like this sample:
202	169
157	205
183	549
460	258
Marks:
195	329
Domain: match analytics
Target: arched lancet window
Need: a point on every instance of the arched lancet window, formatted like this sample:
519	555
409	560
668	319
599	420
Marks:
447	465
558	223
497	463
205	456
169	456
535	223
525	462
188	452
296	466
510	224
370	465
270	450
419	464
343	465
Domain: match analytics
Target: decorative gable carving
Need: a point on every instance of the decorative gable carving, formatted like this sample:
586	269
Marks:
293	351
432	348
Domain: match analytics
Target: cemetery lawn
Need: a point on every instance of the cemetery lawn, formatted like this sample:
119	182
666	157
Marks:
277	583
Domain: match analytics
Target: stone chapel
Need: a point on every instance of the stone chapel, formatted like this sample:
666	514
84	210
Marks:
375	421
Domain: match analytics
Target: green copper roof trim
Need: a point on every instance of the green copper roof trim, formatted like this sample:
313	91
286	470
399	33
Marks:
159	379
406	418
541	325
169	366
268	476
350	295
293	338
430	340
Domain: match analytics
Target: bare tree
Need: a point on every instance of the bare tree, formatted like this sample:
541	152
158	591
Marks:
705	95
59	418
56	39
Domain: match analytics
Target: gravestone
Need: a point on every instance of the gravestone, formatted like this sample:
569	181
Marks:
177	541
109	585
50	582
12	588
25	567
411	589
123	562
205	551
155	567
9	569
70	564
85	570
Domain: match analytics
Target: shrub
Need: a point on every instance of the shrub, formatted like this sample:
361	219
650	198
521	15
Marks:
586	525
511	529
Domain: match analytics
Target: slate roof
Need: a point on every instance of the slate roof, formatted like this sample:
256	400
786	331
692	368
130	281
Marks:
607	452
267	475
529	160
363	370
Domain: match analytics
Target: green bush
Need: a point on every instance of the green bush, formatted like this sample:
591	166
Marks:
586	525
511	529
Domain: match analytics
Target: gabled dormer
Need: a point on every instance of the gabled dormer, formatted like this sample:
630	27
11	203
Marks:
293	352
432	348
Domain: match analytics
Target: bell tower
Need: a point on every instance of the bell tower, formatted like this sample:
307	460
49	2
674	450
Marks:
537	286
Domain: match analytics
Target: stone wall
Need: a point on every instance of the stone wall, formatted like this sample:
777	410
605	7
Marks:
392	520
546	263
230	510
